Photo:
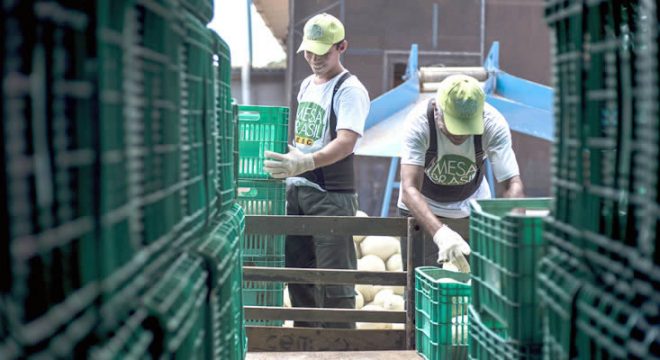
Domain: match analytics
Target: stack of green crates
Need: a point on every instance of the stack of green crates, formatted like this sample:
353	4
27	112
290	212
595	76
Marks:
442	299
261	128
49	252
226	124
177	312
130	340
198	120
202	9
506	237
121	223
221	252
605	182
560	279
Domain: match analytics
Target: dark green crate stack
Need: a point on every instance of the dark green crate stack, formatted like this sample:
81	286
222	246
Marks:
226	125
506	237
226	321
599	282
261	128
110	141
49	203
177	311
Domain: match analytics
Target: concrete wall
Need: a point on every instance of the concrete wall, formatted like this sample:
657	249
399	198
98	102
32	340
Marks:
267	87
523	35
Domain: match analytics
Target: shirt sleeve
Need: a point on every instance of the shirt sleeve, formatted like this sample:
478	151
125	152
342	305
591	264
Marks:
499	150
352	107
415	137
303	86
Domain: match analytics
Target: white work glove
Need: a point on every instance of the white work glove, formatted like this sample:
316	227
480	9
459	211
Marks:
452	248
293	163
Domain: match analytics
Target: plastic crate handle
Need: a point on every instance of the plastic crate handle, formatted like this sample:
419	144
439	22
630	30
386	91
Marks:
248	192
439	273
249	115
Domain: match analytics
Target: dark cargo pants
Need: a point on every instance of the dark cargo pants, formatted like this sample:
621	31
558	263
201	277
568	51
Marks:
327	252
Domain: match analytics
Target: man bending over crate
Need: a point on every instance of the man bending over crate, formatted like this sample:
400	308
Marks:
332	108
446	142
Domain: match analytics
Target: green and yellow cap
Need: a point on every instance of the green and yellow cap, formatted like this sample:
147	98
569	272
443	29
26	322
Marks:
320	33
461	99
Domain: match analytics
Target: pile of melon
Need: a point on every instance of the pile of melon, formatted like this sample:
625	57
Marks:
378	253
374	253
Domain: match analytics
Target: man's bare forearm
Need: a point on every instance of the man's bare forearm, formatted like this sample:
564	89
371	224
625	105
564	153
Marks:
420	210
337	149
513	188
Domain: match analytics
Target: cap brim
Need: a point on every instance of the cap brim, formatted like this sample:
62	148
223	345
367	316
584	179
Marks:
472	126
315	47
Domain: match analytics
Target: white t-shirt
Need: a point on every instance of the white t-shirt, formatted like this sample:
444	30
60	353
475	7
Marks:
312	131
457	163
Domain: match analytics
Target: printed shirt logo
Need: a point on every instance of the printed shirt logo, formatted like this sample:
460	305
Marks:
309	123
452	170
465	107
314	32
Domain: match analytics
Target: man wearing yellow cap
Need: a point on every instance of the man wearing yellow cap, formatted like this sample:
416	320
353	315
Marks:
445	144
332	108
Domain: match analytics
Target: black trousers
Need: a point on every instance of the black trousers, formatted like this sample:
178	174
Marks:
326	252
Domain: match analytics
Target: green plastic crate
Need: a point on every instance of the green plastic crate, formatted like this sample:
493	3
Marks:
645	338
605	322
228	329
263	293
646	172
219	251
560	280
225	325
176	306
234	108
227	320
226	124
50	204
117	243
506	249
237	214
198	117
131	340
487	341
261	197
605	111
261	128
441	313
9	350
202	9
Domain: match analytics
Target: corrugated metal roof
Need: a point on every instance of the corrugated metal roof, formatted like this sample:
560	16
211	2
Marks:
276	16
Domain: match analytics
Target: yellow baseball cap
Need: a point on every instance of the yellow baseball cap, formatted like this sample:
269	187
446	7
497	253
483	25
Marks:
320	33
461	99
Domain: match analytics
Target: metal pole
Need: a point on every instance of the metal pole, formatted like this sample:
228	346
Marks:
483	30
389	185
434	37
247	67
290	55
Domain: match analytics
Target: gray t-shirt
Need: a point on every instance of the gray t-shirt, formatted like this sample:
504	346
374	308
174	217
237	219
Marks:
312	131
456	164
